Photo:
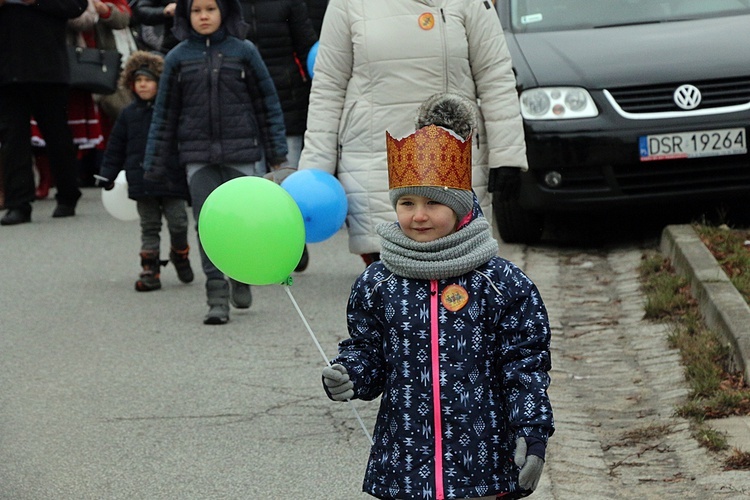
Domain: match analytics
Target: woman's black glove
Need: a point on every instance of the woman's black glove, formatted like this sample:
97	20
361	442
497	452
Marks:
506	181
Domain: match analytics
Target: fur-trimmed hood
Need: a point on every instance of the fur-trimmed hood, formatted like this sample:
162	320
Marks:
154	63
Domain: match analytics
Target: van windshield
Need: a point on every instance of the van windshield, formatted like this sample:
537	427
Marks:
555	15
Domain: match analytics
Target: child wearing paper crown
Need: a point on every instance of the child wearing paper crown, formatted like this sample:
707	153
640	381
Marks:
454	338
125	150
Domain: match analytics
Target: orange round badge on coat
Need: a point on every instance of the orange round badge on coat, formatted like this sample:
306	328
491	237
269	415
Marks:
427	21
454	297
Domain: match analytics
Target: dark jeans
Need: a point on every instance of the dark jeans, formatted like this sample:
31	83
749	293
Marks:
174	210
47	103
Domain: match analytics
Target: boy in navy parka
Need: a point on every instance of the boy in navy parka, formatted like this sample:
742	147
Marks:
125	150
453	338
218	111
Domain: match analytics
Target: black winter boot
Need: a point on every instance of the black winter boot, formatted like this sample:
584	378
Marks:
181	263
303	261
217	293
149	278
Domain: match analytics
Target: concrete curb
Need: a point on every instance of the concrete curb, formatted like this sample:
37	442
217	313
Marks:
723	307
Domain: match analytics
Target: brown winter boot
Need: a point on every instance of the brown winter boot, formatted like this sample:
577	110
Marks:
181	263
149	278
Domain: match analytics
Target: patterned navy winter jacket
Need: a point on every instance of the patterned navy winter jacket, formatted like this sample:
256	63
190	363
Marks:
217	102
458	387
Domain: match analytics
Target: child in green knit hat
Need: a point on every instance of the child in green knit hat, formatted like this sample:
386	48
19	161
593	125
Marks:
454	339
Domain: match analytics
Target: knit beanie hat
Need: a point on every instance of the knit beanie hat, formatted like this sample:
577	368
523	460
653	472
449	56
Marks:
435	161
147	72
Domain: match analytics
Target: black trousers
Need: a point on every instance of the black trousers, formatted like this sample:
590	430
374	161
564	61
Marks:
48	104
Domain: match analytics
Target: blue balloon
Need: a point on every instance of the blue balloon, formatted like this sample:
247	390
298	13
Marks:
322	201
311	59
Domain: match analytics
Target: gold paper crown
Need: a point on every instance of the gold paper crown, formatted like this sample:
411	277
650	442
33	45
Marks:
431	156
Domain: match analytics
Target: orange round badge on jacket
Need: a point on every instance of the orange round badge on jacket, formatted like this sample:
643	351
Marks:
427	21
454	297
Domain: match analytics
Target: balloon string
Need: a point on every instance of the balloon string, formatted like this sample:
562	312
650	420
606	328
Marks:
325	358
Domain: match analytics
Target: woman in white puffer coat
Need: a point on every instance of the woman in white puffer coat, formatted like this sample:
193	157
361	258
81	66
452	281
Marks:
376	63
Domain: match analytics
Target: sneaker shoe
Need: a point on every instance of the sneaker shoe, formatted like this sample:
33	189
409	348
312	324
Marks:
239	294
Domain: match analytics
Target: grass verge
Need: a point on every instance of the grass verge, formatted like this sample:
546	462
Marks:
731	249
714	391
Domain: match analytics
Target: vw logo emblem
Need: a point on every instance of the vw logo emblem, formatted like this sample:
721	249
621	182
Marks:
687	96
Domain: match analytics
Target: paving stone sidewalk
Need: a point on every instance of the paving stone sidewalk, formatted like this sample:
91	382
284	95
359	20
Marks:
615	384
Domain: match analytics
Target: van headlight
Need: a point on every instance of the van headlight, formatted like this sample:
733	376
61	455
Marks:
557	103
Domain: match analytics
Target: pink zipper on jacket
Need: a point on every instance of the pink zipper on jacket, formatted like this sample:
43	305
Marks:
435	357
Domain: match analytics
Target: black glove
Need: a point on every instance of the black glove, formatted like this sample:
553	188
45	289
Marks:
103	182
506	181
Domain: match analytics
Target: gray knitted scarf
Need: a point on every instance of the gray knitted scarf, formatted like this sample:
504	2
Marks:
449	256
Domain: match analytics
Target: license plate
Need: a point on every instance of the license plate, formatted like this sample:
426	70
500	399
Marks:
698	144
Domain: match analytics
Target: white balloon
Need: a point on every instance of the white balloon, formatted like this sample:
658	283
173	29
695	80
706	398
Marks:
116	200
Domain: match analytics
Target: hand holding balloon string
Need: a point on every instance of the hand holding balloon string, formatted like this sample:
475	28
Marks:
322	202
309	206
328	363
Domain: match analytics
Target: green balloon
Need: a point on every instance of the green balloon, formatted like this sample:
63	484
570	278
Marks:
252	230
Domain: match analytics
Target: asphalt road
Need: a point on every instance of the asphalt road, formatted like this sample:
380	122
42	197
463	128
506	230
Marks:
108	393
